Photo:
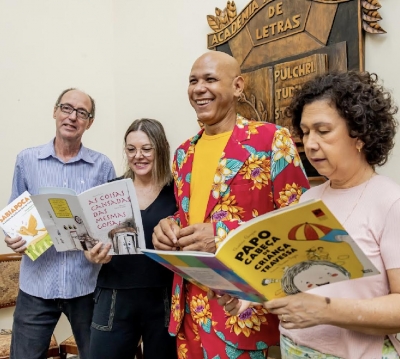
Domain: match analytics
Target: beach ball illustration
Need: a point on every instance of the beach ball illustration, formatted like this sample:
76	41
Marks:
308	232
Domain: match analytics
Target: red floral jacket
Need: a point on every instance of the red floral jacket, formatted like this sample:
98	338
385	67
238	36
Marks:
259	170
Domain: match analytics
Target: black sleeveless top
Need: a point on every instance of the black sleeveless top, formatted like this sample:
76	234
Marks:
137	270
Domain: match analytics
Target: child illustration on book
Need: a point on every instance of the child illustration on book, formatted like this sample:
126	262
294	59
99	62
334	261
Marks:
311	274
331	259
321	254
268	281
331	244
315	254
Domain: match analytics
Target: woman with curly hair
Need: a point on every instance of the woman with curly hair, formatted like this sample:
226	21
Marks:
347	125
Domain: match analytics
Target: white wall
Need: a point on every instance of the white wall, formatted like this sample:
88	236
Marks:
382	56
134	58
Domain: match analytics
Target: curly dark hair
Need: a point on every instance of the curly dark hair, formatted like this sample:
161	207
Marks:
361	101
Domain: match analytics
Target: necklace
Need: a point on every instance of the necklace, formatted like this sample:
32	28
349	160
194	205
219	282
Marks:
359	197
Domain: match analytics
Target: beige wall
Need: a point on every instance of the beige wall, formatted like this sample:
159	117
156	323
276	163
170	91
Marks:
133	57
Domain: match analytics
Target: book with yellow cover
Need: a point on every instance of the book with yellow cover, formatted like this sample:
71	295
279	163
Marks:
21	218
283	252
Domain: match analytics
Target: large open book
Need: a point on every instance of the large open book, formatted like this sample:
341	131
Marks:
21	218
108	213
283	252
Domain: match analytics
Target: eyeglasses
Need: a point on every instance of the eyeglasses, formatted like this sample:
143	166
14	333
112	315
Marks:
145	151
80	113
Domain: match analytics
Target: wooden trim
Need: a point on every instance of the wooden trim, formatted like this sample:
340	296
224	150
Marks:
7	257
8	305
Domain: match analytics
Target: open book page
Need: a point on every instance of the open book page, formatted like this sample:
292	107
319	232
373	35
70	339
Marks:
108	213
205	271
21	218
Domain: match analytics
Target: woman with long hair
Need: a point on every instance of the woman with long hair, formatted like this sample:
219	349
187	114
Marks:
132	298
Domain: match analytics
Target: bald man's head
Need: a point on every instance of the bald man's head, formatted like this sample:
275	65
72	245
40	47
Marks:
224	60
215	86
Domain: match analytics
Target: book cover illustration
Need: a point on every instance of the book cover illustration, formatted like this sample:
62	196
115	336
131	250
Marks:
283	252
108	213
21	218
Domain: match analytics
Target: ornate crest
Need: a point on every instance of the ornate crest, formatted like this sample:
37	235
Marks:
281	44
370	15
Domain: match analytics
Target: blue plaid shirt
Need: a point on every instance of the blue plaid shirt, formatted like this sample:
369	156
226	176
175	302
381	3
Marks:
59	274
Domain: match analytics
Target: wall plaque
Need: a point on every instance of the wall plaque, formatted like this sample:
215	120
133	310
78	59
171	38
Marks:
281	44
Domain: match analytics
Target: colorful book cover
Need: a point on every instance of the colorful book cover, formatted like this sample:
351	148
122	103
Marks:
283	252
21	218
108	213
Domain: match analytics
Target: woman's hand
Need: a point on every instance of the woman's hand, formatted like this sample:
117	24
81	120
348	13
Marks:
99	253
301	310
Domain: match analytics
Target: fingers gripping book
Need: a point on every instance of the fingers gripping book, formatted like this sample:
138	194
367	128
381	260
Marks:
283	252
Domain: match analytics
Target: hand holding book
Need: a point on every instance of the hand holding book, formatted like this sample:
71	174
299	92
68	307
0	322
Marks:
197	237
17	244
99	253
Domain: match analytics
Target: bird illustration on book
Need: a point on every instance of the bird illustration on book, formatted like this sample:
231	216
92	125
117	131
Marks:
31	229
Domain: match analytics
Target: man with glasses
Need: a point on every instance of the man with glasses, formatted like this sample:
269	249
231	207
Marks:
57	282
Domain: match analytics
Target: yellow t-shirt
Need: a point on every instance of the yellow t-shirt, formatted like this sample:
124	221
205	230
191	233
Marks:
206	157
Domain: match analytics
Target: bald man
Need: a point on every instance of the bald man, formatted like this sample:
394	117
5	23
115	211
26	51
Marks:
232	170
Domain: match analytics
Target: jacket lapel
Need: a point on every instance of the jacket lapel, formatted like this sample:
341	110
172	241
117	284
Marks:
185	157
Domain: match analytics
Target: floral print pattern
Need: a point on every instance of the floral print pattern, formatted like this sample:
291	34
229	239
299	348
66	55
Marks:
182	350
179	185
282	146
200	309
176	310
290	195
227	210
259	170
247	322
